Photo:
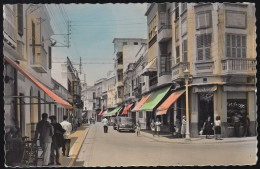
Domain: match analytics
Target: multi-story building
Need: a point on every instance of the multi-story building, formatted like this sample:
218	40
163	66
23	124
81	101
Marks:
27	54
67	76
206	44
87	96
125	50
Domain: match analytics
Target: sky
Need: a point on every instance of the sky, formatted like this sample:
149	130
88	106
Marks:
93	28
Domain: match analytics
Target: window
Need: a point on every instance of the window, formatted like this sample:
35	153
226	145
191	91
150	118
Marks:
177	11
69	86
20	19
33	41
183	7
236	106
235	46
176	33
135	43
177	54
50	57
169	16
203	47
152	27
235	19
184	51
165	64
203	20
140	114
94	95
153	78
184	27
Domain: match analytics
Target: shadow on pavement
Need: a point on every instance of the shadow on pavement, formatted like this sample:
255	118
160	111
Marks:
79	164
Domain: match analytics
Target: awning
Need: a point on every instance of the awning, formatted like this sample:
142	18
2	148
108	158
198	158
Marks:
162	109
150	67
113	112
37	83
100	113
140	103
154	99
126	109
105	113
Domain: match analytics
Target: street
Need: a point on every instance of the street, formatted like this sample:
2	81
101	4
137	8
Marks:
126	149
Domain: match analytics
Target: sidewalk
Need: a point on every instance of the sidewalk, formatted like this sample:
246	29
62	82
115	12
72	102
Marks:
168	138
77	139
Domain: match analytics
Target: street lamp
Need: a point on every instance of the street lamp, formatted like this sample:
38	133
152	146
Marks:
186	76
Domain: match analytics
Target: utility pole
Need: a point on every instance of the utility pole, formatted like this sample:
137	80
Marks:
80	64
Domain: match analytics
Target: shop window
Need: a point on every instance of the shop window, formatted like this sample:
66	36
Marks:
238	106
140	114
235	45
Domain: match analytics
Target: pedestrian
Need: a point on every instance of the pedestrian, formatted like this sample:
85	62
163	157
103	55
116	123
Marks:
207	126
67	127
138	127
246	126
57	140
79	122
14	146
217	128
152	125
158	126
183	126
76	123
46	131
236	124
178	127
105	123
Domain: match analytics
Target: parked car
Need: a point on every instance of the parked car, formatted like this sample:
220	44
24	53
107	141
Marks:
125	123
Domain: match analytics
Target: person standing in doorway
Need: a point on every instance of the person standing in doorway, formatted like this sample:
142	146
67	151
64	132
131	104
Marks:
208	127
183	126
236	123
57	140
105	123
152	125
46	131
158	126
67	127
217	128
246	126
138	128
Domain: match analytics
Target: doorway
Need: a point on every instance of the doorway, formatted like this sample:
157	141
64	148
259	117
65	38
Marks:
205	107
148	120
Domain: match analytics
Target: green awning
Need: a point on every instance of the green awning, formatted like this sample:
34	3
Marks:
154	99
113	112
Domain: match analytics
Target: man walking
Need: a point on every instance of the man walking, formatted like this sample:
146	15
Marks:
45	129
67	127
57	140
105	123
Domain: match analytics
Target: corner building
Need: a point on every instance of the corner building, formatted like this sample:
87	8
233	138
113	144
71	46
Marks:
216	43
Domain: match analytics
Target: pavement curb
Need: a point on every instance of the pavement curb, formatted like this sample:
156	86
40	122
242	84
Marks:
198	141
72	162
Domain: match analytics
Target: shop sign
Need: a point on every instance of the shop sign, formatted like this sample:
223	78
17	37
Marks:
204	89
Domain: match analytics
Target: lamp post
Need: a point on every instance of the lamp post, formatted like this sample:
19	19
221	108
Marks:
186	76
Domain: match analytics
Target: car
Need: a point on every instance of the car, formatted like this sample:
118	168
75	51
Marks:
125	123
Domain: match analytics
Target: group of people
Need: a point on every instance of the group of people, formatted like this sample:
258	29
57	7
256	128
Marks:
155	126
76	122
236	122
53	136
209	129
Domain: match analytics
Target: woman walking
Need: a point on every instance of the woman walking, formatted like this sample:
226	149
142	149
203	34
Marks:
183	126
218	128
208	127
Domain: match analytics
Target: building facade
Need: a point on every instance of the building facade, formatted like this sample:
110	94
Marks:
210	41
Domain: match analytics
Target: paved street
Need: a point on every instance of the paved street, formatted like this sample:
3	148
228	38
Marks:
126	149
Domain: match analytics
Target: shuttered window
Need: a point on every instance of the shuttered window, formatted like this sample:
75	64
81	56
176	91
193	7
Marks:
235	45
50	57
33	41
20	19
184	51
177	54
204	47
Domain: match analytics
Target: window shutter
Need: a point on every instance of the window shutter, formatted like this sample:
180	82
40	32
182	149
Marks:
207	53
238	46
184	51
20	19
233	42
200	54
199	41
244	46
50	57
177	54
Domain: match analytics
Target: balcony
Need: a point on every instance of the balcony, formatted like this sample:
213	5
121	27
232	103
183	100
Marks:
178	69
9	29
165	65
164	33
39	61
239	66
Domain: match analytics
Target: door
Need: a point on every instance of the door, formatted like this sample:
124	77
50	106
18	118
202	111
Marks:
205	107
148	120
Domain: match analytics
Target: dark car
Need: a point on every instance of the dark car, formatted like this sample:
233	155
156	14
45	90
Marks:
125	123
